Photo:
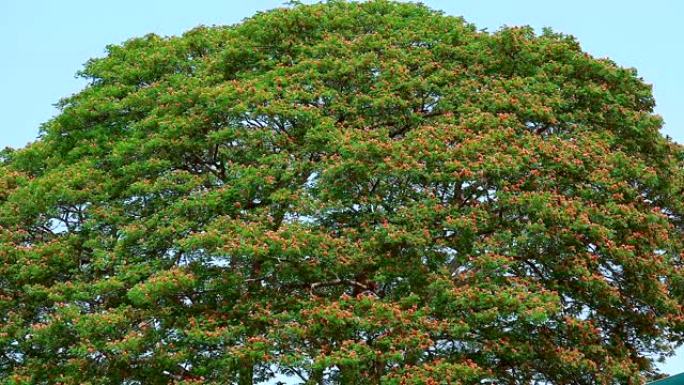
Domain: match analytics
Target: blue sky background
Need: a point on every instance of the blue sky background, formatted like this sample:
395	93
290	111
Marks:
44	43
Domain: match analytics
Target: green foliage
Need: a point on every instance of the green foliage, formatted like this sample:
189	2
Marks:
352	193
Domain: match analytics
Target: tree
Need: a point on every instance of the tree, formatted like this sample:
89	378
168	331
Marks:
344	193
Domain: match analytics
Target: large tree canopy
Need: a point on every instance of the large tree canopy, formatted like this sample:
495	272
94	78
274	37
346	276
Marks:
344	193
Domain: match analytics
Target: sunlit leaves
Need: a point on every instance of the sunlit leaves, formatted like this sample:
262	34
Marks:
344	193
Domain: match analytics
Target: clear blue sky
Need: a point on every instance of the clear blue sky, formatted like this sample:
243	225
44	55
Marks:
45	42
